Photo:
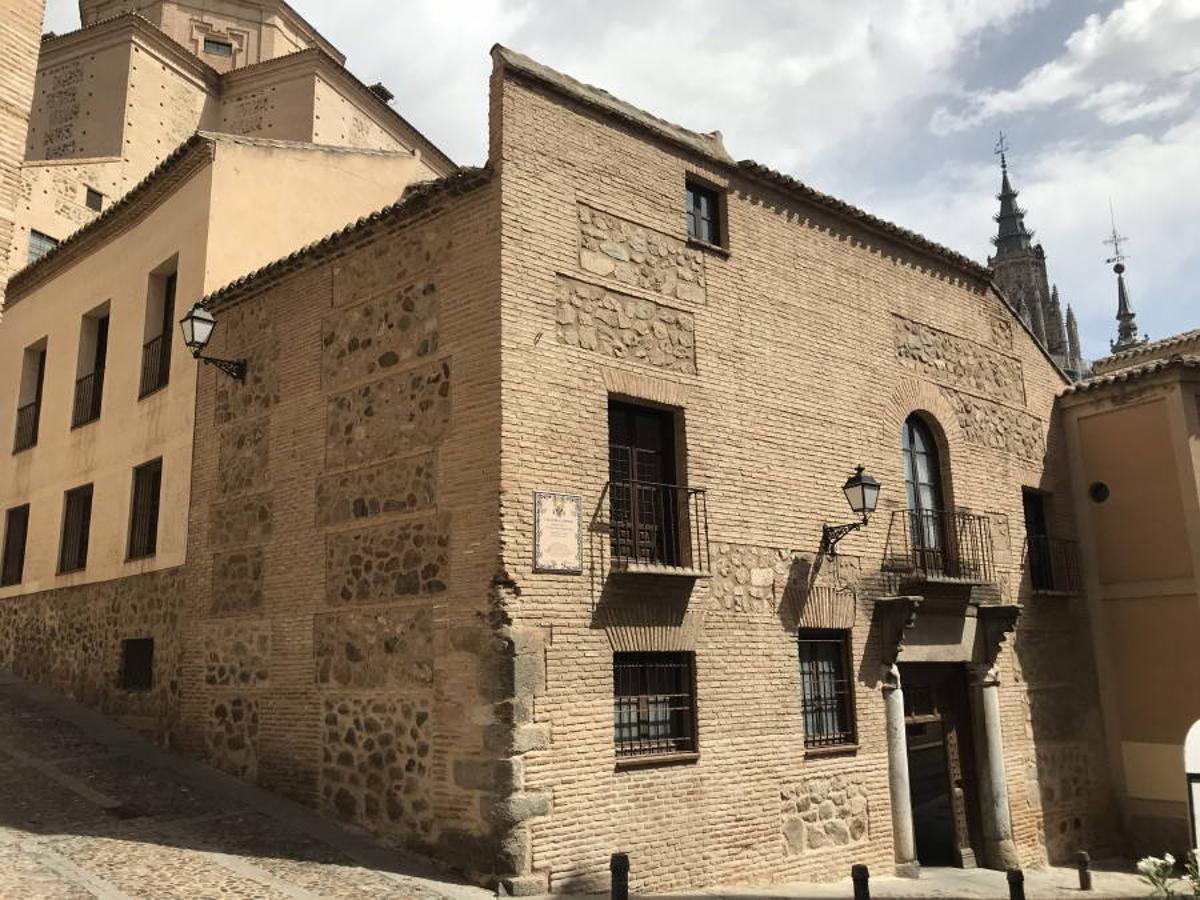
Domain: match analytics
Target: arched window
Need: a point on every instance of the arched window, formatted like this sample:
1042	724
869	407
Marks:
923	483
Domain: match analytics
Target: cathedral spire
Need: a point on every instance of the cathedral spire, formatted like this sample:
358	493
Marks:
1074	350
1012	237
1127	330
1056	331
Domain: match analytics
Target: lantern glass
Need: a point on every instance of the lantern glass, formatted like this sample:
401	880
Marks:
197	327
862	492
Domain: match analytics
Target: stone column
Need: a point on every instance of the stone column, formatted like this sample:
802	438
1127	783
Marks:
901	795
997	823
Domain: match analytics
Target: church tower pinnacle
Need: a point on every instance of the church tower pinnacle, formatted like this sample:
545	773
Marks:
1019	270
1127	329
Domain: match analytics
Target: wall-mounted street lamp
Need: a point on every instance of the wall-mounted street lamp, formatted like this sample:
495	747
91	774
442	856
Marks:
862	492
198	327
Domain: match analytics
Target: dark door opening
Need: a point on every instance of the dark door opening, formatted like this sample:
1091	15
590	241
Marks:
941	763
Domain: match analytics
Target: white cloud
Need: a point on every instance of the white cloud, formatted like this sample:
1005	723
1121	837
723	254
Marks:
1138	62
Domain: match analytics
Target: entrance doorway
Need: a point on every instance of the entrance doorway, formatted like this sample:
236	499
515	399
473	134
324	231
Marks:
941	763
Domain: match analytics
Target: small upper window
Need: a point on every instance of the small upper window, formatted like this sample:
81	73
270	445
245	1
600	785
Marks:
704	214
95	200
218	48
40	244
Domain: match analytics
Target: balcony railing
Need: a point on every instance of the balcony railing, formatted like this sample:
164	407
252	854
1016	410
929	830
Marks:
156	364
88	391
934	545
1053	565
657	528
27	426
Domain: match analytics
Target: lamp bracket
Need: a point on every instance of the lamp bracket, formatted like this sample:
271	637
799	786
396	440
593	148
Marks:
831	534
234	368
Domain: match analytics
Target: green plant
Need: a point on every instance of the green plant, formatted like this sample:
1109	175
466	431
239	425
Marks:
1157	873
1192	870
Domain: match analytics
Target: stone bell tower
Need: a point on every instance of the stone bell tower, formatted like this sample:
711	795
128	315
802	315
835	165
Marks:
20	41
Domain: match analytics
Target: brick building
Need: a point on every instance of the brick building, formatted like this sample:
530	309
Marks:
510	546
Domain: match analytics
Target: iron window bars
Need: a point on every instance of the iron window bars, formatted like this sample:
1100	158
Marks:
827	688
654	708
16	531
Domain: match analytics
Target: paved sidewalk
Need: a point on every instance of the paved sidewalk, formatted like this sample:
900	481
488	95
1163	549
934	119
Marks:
90	810
1055	882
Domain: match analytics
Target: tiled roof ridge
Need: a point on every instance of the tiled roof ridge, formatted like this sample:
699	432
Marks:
1149	347
32	274
415	198
1131	373
708	144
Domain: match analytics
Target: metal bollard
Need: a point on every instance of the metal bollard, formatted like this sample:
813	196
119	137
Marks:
1016	884
862	881
619	867
1084	862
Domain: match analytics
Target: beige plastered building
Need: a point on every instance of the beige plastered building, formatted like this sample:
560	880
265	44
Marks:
509	547
1133	435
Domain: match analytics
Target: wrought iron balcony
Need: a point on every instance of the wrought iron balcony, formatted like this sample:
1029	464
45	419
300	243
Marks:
935	545
88	391
657	528
1053	565
27	426
156	364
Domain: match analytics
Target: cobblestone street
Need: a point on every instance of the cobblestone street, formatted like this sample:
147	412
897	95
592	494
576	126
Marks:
90	810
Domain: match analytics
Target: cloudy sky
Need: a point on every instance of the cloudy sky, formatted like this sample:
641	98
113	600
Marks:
893	105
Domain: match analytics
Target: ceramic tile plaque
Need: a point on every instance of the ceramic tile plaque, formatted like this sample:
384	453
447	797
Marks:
556	539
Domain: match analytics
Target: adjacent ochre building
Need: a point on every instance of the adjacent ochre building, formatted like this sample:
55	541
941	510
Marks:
510	546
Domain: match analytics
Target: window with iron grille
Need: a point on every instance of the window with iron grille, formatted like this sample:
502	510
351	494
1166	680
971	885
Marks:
143	515
828	692
77	523
218	48
654	708
39	245
16	529
137	664
704	213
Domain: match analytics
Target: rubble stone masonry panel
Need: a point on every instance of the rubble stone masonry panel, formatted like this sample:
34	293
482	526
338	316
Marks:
624	327
389	648
611	247
958	362
374	337
395	486
375	565
388	416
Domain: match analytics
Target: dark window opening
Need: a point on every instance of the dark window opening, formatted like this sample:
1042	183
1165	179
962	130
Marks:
143	518
16	531
29	399
218	48
654	709
89	388
704	214
77	523
39	245
137	664
644	500
826	687
1041	572
95	200
156	352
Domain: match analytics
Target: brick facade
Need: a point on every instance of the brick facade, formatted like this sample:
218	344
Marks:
360	623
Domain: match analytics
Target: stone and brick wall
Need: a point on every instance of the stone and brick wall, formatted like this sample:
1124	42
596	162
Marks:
347	654
789	357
